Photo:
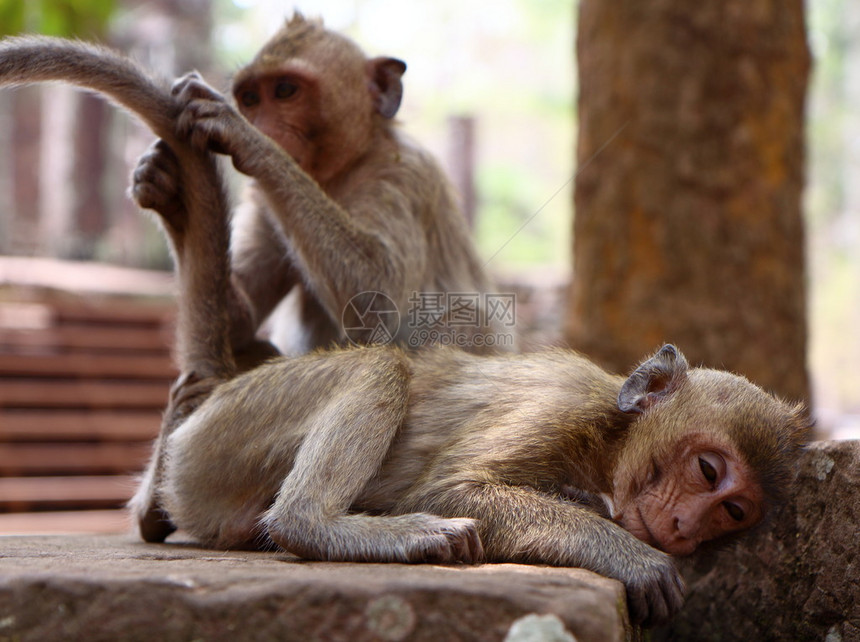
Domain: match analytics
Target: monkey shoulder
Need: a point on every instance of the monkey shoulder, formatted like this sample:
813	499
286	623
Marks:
396	182
406	163
544	402
553	372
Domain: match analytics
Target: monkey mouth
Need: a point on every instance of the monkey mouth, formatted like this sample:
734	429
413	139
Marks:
652	539
639	527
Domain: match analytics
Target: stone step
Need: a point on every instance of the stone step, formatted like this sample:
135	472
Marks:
118	588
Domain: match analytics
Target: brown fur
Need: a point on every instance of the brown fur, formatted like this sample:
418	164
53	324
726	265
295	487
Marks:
366	454
30	59
366	211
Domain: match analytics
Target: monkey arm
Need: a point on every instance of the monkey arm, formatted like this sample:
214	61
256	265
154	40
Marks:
262	273
363	246
521	524
342	253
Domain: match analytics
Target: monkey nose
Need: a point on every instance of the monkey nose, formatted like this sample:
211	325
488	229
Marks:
687	529
682	540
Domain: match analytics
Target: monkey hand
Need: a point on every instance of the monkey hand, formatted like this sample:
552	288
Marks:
155	184
211	123
450	540
410	538
655	590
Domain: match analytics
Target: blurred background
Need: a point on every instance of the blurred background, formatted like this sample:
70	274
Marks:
712	162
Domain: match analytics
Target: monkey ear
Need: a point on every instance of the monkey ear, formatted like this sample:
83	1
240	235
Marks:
802	426
653	381
385	85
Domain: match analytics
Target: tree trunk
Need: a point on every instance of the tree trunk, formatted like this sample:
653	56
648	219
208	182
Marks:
688	223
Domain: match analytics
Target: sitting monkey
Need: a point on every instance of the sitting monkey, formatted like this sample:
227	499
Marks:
342	206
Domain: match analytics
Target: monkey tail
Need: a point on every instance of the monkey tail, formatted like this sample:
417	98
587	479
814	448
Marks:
30	59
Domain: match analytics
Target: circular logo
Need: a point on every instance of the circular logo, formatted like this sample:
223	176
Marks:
370	318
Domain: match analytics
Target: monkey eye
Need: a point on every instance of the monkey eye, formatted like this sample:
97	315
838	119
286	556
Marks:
708	470
734	511
249	98
285	89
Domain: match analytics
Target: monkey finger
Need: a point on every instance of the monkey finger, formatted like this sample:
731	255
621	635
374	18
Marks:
169	208
673	594
145	196
150	177
466	544
183	80
658	608
208	136
436	549
193	129
637	605
160	154
204	124
191	87
201	108
476	547
155	184
157	172
149	196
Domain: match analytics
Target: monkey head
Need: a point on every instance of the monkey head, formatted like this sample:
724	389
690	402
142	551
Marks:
317	95
708	452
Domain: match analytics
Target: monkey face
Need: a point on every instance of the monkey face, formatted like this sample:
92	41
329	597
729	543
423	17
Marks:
701	491
281	104
707	451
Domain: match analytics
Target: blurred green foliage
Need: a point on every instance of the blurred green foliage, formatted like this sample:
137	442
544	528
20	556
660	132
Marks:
70	18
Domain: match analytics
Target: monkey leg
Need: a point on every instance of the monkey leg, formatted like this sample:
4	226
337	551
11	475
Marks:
153	522
345	444
157	185
187	192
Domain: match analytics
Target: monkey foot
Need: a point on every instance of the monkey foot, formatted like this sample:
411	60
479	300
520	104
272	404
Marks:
155	525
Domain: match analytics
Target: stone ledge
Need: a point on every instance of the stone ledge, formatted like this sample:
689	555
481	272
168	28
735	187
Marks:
118	588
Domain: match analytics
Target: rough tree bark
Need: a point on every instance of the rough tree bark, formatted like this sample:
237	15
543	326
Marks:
688	224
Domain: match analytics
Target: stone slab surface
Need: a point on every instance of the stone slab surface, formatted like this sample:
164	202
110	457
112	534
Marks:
118	588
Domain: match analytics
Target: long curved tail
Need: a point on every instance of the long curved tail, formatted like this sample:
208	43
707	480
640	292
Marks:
31	59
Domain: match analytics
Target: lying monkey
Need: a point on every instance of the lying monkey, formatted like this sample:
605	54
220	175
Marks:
377	455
